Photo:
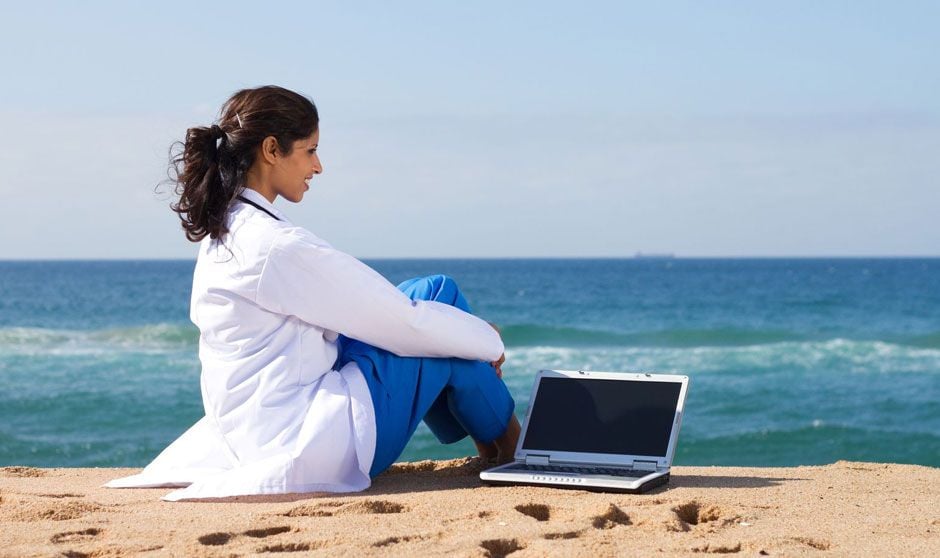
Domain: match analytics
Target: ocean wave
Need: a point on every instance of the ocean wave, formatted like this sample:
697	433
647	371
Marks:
829	356
26	341
524	335
547	347
530	334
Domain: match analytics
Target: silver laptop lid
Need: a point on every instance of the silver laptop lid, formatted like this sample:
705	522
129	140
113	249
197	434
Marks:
614	418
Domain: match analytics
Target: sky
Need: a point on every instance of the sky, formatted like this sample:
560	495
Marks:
491	129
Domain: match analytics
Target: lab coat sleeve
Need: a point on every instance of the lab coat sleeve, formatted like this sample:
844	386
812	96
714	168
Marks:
307	278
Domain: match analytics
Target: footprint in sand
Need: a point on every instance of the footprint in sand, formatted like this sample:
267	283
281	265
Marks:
686	516
215	539
57	512
818	544
75	536
219	539
539	512
497	548
400	539
483	514
307	511
262	533
718	548
564	535
372	506
328	509
18	471
292	547
612	517
108	552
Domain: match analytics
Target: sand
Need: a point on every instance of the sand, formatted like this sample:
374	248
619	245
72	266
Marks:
441	508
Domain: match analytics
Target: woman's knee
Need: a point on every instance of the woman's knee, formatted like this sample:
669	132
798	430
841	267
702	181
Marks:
440	288
428	283
476	383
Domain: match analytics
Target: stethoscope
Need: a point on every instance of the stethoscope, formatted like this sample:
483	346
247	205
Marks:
249	202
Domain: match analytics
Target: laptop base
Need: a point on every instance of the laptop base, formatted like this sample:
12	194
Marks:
642	488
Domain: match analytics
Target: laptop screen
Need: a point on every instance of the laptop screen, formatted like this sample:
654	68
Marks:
602	416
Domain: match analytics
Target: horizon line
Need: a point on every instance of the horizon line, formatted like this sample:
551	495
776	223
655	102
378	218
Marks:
503	258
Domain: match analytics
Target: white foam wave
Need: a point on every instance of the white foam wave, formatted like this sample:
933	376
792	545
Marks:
843	355
839	355
152	338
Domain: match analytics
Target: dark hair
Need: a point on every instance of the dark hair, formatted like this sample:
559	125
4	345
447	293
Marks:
209	168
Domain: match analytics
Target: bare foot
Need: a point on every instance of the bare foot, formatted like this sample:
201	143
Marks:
506	443
487	451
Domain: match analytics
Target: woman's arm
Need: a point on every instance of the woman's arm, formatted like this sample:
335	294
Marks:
309	279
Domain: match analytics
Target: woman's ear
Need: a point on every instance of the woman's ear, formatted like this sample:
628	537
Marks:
269	150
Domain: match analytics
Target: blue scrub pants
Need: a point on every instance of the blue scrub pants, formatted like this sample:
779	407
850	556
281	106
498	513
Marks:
454	397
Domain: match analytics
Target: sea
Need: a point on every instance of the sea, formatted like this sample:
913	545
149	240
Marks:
791	361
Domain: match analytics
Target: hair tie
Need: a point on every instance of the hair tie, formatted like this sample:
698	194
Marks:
217	133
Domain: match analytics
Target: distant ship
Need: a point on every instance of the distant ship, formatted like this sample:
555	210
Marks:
654	256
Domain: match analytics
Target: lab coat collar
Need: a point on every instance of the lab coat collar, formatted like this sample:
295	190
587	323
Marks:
254	196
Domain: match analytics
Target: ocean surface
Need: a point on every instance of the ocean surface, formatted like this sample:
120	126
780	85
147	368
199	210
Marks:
792	361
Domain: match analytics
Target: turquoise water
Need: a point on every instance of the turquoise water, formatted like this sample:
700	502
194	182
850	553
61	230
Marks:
792	361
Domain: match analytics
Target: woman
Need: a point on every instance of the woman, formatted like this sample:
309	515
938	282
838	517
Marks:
315	369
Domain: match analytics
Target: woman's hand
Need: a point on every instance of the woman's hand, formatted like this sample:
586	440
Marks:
497	364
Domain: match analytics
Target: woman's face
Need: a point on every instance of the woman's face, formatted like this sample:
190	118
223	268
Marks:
291	176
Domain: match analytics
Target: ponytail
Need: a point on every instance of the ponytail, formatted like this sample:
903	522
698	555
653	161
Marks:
203	198
209	168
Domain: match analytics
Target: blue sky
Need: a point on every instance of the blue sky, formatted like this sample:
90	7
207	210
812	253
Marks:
489	129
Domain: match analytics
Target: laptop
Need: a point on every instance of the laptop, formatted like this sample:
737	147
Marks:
609	431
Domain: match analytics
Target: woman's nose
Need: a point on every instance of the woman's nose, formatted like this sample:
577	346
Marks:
317	167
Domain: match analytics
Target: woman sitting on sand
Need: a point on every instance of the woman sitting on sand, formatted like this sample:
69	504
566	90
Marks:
315	369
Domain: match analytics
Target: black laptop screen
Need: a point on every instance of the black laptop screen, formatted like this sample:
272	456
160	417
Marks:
602	416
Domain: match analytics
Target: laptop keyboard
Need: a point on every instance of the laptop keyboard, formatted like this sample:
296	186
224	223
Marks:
578	470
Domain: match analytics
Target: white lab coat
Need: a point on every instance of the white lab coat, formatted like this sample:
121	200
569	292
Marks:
269	305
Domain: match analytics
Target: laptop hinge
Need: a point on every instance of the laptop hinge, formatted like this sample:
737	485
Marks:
532	459
645	465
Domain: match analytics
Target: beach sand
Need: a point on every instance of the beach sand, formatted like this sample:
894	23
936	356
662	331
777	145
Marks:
441	508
